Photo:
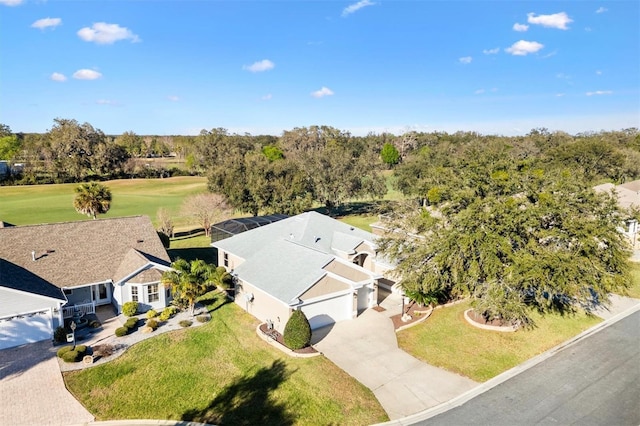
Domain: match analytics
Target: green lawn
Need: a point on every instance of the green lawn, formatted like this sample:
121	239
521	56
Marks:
222	373
634	291
31	204
193	247
446	340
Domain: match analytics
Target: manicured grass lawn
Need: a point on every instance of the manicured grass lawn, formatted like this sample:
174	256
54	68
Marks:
31	204
446	340
634	290
360	221
191	248
222	373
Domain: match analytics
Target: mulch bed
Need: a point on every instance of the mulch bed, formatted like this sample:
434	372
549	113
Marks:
476	317
280	340
415	316
379	309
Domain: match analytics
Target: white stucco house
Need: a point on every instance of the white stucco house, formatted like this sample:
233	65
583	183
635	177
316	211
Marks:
326	268
49	272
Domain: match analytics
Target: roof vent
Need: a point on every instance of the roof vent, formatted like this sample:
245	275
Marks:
291	236
316	239
140	241
351	228
33	255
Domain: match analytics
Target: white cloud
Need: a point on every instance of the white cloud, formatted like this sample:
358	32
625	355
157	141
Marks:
260	66
479	92
324	91
11	2
103	33
56	76
557	20
523	47
46	23
356	6
465	60
86	74
520	27
598	72
601	9
173	98
599	92
491	51
266	97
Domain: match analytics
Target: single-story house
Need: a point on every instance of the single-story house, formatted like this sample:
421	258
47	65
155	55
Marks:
50	272
326	268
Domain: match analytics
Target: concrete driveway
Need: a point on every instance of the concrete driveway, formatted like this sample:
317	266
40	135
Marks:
32	390
367	349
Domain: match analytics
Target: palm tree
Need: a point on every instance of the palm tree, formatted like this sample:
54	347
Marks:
190	280
92	199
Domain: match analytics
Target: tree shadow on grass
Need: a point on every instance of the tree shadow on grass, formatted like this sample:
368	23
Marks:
356	208
214	300
248	401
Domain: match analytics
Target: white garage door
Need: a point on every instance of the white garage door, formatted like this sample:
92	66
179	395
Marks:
329	311
28	329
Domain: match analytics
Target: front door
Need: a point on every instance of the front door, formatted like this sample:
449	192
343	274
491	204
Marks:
101	294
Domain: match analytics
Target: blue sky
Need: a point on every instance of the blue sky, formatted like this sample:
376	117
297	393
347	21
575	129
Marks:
176	67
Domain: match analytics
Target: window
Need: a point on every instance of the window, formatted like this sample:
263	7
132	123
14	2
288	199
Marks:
134	293
68	291
226	259
153	293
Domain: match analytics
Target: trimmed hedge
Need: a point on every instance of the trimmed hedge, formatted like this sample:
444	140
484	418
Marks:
131	323
63	351
152	323
297	331
121	331
69	355
168	312
152	313
129	309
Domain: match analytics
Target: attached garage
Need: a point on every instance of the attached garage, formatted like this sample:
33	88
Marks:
27	328
329	311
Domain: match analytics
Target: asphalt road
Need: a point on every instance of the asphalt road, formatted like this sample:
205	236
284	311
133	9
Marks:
596	381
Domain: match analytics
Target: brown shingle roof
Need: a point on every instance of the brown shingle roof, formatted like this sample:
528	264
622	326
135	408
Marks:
77	253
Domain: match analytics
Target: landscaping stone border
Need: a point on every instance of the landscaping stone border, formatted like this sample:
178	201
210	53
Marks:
503	329
283	348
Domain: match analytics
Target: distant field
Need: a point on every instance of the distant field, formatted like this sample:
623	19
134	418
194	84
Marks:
23	205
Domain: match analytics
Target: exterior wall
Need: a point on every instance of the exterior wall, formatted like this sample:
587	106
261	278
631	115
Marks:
263	306
347	271
143	296
326	285
231	262
78	295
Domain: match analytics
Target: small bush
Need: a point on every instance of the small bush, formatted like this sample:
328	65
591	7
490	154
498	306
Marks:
152	313
152	323
203	318
121	331
70	356
131	323
297	331
81	349
185	323
60	335
168	312
129	309
64	350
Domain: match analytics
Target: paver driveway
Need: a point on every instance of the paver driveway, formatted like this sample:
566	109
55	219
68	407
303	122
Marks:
367	349
32	390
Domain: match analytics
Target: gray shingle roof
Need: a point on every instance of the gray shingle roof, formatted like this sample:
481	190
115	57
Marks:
286	257
71	254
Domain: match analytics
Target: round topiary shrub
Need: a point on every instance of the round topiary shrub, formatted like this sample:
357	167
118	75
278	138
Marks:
70	356
297	331
121	331
131	323
185	323
167	313
203	318
129	309
81	349
63	351
60	335
152	313
152	323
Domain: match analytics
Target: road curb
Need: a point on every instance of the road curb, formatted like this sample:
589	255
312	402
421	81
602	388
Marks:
489	384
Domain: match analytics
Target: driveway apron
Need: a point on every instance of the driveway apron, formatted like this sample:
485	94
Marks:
32	390
367	349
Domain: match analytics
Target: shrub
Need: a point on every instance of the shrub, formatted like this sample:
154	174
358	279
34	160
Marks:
94	324
70	356
185	323
297	331
64	350
121	331
60	335
152	323
129	309
168	312
152	313
203	318
131	323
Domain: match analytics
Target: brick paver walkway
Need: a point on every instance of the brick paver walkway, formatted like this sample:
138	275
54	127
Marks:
32	390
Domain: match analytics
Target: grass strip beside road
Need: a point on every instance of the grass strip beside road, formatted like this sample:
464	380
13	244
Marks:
446	340
222	373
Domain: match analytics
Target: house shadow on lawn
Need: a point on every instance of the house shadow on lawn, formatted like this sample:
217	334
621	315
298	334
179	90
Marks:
248	401
208	254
